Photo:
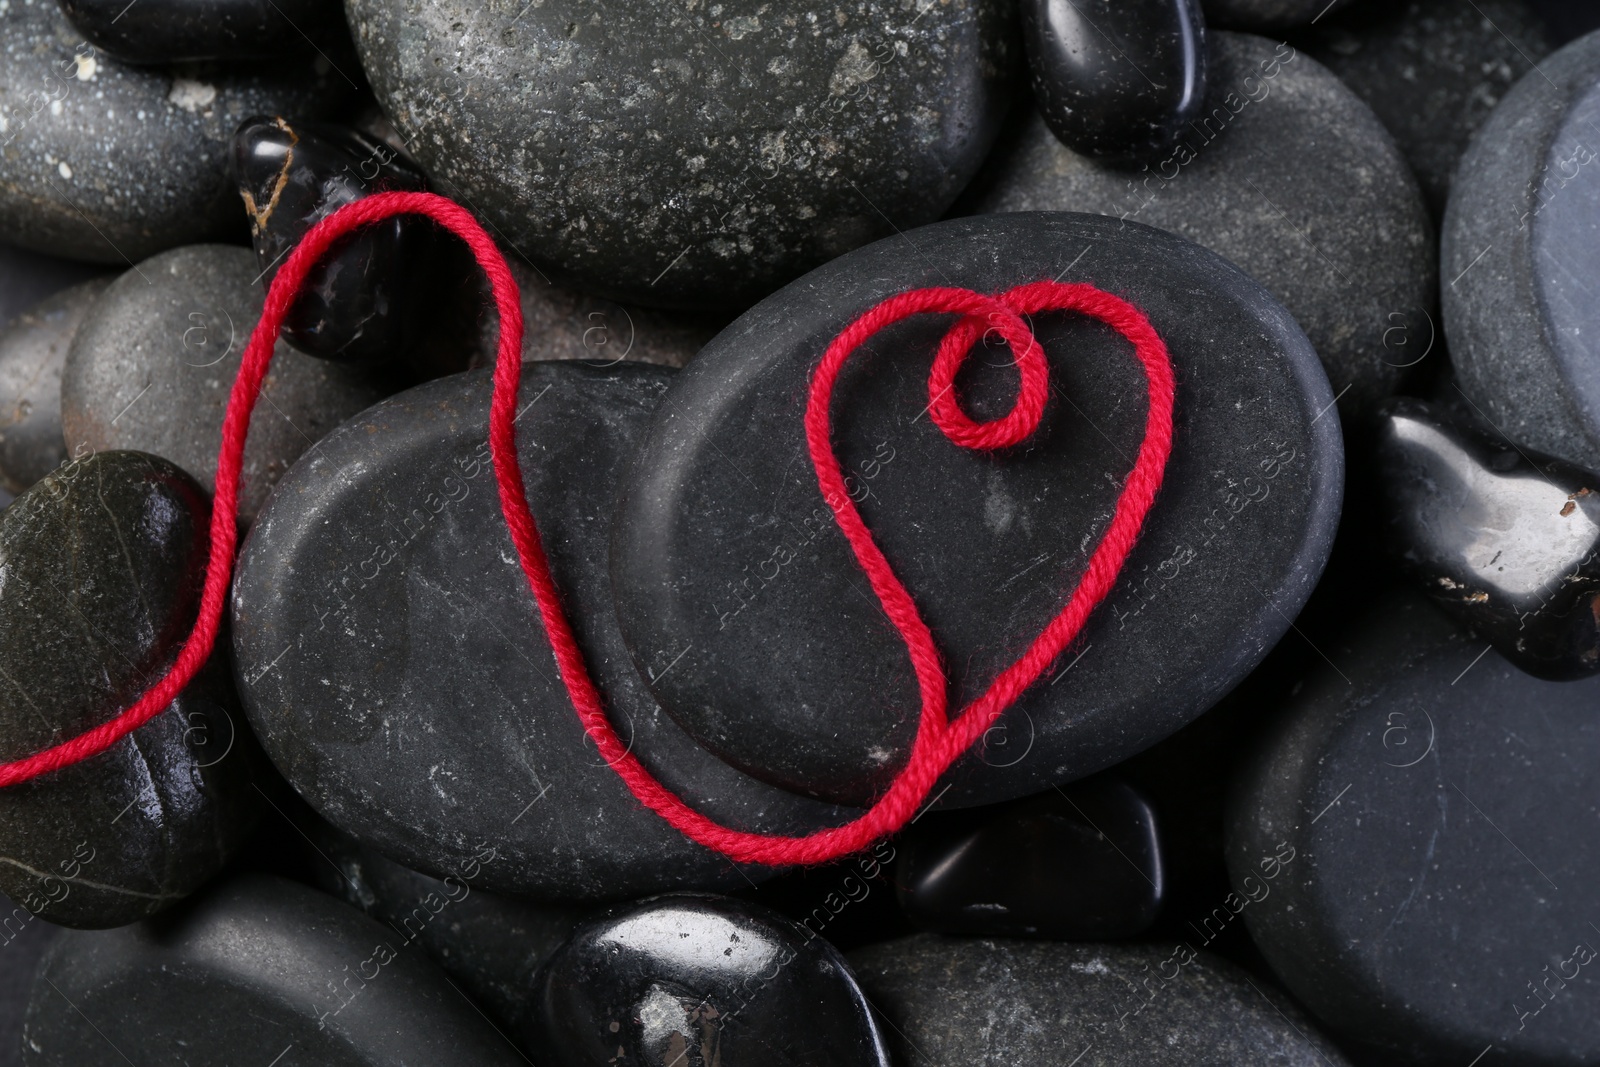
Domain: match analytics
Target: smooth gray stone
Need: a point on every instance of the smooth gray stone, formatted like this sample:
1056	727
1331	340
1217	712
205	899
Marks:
101	565
28	277
960	1002
391	659
1438	803
154	361
111	163
32	351
24	940
258	967
1520	251
1269	16
1292	178
1432	70
692	156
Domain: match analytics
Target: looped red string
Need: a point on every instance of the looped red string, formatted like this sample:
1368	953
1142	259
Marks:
939	742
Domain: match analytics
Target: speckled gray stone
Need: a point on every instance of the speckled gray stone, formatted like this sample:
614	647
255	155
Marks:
1268	16
154	361
958	1002
390	656
111	163
100	571
1520	252
32	351
1432	70
1292	178
692	156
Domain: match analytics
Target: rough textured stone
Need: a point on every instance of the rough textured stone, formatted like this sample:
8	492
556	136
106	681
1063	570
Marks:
32	351
153	363
100	571
165	31
391	659
955	1002
692	157
741	601
111	163
1519	247
1432	70
1505	540
1432	793
1292	178
697	981
1267	16
1080	864
258	967
1117	79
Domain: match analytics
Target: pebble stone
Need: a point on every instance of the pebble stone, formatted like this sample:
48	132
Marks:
28	277
257	967
1293	179
1432	70
1518	249
32	351
391	661
740	599
488	943
1431	792
1116	80
167	31
1269	16
697	981
154	361
111	163
692	157
100	571
964	1002
1505	540
1081	864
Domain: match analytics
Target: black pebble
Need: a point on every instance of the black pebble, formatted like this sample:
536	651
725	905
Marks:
166	31
1117	79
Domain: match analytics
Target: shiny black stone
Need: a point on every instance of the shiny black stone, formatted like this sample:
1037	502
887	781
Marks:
166	31
490	944
255	968
1079	864
32	352
1433	802
697	981
1517	246
1269	16
741	601
401	290
1506	540
960	1002
390	656
101	565
1117	79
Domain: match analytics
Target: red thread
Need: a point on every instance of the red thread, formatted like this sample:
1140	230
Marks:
938	742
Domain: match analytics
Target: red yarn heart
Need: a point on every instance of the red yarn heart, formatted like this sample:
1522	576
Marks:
938	742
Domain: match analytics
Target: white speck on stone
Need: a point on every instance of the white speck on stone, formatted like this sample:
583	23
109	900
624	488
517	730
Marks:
742	25
878	754
64	170
854	68
192	95
87	67
55	107
1094	966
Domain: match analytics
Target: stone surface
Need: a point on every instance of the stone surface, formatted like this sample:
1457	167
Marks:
741	601
1505	540
23	942
28	277
153	363
390	656
1269	16
1080	864
101	565
111	163
32	351
696	981
1517	252
1434	796
165	31
1118	81
692	157
958	1002
491	945
258	967
1432	70
1292	178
